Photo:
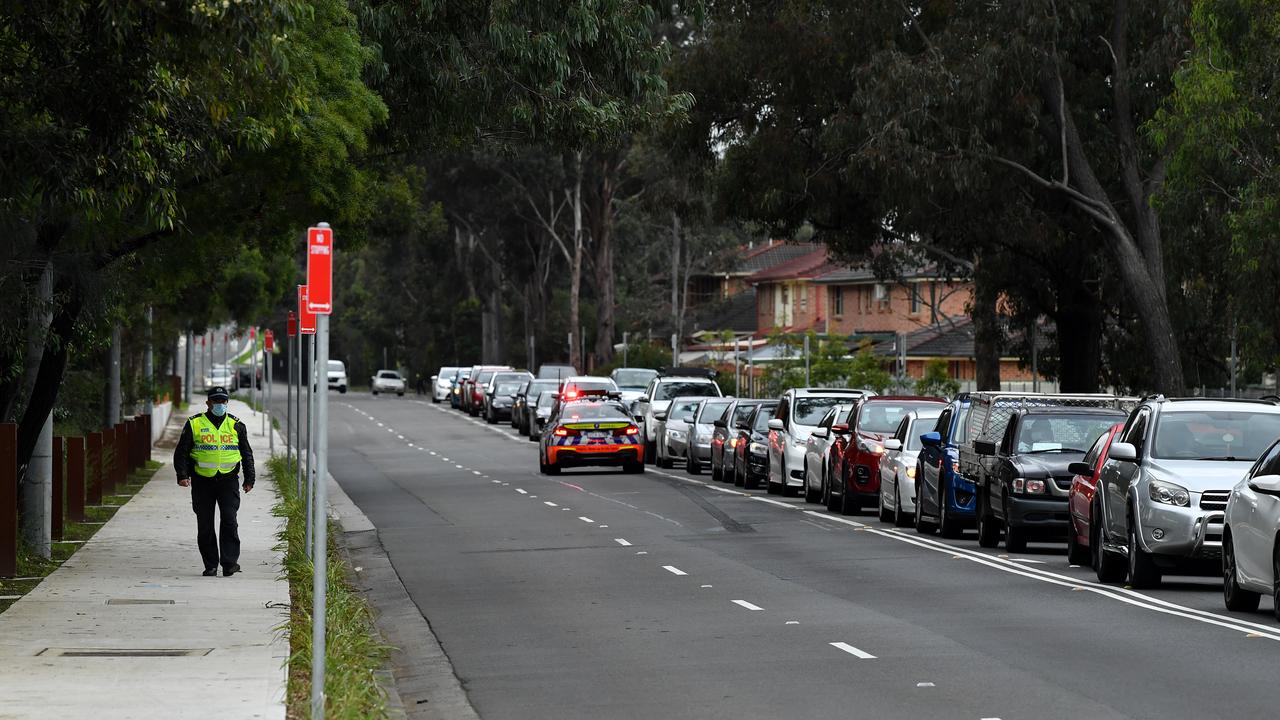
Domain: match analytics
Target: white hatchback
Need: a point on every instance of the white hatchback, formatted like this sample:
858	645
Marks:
798	414
898	466
1251	537
387	381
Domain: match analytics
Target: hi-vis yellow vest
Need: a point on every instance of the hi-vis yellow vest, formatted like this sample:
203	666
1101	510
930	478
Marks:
217	449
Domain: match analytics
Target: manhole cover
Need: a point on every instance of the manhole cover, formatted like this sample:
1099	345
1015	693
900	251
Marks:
138	601
124	652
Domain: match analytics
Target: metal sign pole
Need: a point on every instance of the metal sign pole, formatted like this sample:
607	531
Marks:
288	400
319	554
311	381
271	436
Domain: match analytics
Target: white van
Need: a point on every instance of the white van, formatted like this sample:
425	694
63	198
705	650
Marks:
337	376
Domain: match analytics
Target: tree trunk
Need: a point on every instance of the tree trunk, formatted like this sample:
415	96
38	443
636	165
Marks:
987	337
575	271
605	281
111	368
675	273
53	365
1079	324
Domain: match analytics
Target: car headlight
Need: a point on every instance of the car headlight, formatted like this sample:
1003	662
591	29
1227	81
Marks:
911	471
874	447
1169	493
675	434
1031	486
757	448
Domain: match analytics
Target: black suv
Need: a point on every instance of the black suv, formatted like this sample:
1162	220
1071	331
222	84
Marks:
1026	480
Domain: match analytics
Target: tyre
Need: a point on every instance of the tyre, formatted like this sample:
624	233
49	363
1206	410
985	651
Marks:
948	525
738	479
342	390
1015	539
1108	566
691	464
988	529
777	488
651	452
900	518
924	527
717	474
375	393
811	495
1275	573
1143	572
1077	554
886	515
748	482
849	503
1236	598
553	469
633	467
826	489
400	394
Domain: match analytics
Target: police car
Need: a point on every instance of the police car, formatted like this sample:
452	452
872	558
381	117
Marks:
593	429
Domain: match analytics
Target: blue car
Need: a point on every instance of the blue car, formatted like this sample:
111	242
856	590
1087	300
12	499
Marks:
945	498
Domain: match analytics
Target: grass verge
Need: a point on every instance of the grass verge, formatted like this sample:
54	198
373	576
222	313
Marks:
32	568
354	652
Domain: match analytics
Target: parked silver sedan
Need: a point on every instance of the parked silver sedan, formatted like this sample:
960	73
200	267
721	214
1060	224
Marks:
898	466
816	449
677	424
1250	550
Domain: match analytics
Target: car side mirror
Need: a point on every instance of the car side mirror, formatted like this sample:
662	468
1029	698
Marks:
660	415
643	399
892	444
720	424
1122	451
984	447
1265	484
776	424
1083	469
741	425
821	433
931	439
435	378
839	428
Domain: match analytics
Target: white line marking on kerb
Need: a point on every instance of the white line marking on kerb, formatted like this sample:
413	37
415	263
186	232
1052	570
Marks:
779	503
622	542
853	650
747	605
585	519
674	570
548	503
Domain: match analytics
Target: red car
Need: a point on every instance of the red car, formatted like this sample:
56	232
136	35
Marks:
857	473
1080	500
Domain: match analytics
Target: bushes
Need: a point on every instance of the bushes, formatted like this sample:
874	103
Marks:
353	649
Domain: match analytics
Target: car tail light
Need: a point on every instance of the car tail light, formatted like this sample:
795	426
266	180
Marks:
632	430
570	394
561	432
733	442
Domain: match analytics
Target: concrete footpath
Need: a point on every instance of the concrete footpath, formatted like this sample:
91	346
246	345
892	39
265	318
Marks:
129	628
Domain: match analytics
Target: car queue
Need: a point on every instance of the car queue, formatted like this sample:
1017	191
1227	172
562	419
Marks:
1136	488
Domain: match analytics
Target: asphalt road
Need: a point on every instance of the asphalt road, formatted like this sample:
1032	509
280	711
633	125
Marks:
602	595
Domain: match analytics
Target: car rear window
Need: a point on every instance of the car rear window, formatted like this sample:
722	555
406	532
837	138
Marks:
634	379
712	410
593	411
337	365
389	374
484	375
682	410
547	399
763	417
538	386
507	388
668	390
742	412
810	410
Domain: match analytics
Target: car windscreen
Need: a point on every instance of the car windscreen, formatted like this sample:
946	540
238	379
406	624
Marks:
634	379
507	388
337	365
592	411
763	417
668	390
811	410
712	410
682	410
1061	433
389	375
1214	435
883	417
464	374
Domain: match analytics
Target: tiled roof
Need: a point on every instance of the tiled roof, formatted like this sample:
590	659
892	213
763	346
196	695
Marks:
808	265
840	275
953	338
772	255
737	313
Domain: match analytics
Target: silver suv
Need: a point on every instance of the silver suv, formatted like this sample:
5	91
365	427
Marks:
1164	488
658	396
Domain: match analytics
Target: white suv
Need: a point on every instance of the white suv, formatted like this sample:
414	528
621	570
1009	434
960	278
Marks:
387	381
657	398
337	376
798	414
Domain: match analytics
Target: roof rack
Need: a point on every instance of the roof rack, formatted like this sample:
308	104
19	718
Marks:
681	371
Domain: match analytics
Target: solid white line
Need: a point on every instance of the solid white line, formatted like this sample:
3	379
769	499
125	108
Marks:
674	570
747	605
622	542
585	519
522	491
726	490
1027	560
853	650
779	503
548	503
834	518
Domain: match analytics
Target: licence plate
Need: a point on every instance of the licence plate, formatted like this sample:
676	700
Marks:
597	435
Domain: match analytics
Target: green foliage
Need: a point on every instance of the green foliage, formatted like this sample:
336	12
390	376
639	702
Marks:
830	365
937	380
640	355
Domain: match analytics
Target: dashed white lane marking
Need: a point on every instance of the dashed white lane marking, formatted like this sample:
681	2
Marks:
381	425
747	605
522	491
445	458
853	650
779	503
641	552
433	452
496	482
475	472
925	684
622	542
548	503
705	586
399	437
674	570
459	467
604	526
585	519
725	490
792	622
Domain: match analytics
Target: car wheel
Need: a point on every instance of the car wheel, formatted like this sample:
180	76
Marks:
1077	554
1108	566
748	482
849	503
924	527
651	452
716	473
493	419
774	488
1275	573
948	526
988	530
691	464
375	392
400	394
886	515
1236	598
342	391
811	495
738	480
633	467
1143	572
553	469
900	518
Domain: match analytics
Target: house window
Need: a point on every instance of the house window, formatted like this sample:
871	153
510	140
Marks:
881	295
916	300
837	301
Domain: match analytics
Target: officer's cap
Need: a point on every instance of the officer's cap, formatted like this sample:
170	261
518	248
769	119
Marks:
219	393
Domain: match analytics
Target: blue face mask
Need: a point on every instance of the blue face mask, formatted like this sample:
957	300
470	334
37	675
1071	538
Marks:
219	409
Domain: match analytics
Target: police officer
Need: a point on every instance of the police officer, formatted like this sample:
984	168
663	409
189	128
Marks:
213	451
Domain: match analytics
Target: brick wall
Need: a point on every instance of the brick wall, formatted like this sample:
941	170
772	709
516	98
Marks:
888	307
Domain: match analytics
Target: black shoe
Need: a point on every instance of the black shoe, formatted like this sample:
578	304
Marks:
229	571
211	572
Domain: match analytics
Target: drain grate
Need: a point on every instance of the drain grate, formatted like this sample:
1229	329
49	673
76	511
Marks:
138	601
124	652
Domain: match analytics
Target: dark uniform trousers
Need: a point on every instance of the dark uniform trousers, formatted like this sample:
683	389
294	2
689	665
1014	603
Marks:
224	492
